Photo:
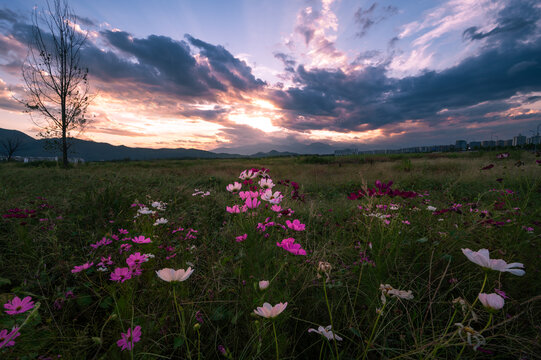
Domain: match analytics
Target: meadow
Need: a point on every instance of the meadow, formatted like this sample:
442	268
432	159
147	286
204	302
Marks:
173	260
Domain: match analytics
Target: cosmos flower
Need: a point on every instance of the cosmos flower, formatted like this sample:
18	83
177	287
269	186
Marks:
6	338
266	183
263	284
290	245
248	174
252	203
128	339
326	332
234	188
160	221
483	259
295	225
470	334
268	311
171	275
136	259
18	306
491	301
241	238
141	240
274	198
121	274
79	268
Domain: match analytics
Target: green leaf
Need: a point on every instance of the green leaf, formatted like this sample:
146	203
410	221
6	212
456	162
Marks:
4	281
178	342
422	240
355	332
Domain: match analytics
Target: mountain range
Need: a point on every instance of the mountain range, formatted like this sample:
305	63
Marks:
98	151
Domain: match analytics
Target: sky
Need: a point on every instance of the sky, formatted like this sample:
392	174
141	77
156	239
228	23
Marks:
245	76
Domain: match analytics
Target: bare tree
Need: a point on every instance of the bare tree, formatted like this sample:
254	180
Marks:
55	80
10	145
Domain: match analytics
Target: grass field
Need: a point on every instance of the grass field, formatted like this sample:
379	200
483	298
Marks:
52	216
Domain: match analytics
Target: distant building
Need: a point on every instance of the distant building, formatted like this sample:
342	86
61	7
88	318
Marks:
519	140
508	142
488	143
475	144
500	143
461	145
535	140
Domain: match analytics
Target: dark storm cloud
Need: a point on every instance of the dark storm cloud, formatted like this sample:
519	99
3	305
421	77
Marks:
237	73
288	61
516	21
85	21
9	16
334	100
366	18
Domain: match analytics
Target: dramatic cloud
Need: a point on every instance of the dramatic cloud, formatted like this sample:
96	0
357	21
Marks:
366	18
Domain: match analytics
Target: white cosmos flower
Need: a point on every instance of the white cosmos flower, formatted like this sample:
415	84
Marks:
161	221
388	290
482	258
170	275
492	301
235	187
266	183
268	311
327	332
274	198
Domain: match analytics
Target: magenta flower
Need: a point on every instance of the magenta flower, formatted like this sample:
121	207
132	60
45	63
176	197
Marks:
104	241
123	231
125	247
290	245
141	240
121	274
135	260
252	203
295	225
235	209
18	306
79	268
241	238
6	339
128	339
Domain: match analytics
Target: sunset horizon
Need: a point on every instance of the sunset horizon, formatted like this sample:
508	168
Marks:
261	76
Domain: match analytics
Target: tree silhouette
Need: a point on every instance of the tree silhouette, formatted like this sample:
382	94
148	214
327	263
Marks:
10	145
56	83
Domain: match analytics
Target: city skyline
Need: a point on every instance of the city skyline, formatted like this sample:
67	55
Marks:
264	75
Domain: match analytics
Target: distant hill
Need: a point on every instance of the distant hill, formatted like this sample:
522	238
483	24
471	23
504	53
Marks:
97	151
316	148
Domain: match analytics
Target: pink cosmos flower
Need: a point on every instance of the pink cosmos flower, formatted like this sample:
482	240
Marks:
295	225
104	241
491	301
483	259
274	198
252	203
233	188
266	183
263	284
128	339
79	268
125	247
6	339
121	274
268	311
248	194
236	209
123	231
18	306
141	240
290	245
105	261
501	293
171	275
247	174
276	208
135	260
241	238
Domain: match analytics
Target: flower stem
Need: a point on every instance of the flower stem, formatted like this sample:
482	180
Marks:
357	289
373	331
275	340
330	316
434	352
180	314
488	323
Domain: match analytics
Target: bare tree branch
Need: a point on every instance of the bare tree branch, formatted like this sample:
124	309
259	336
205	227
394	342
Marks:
56	83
